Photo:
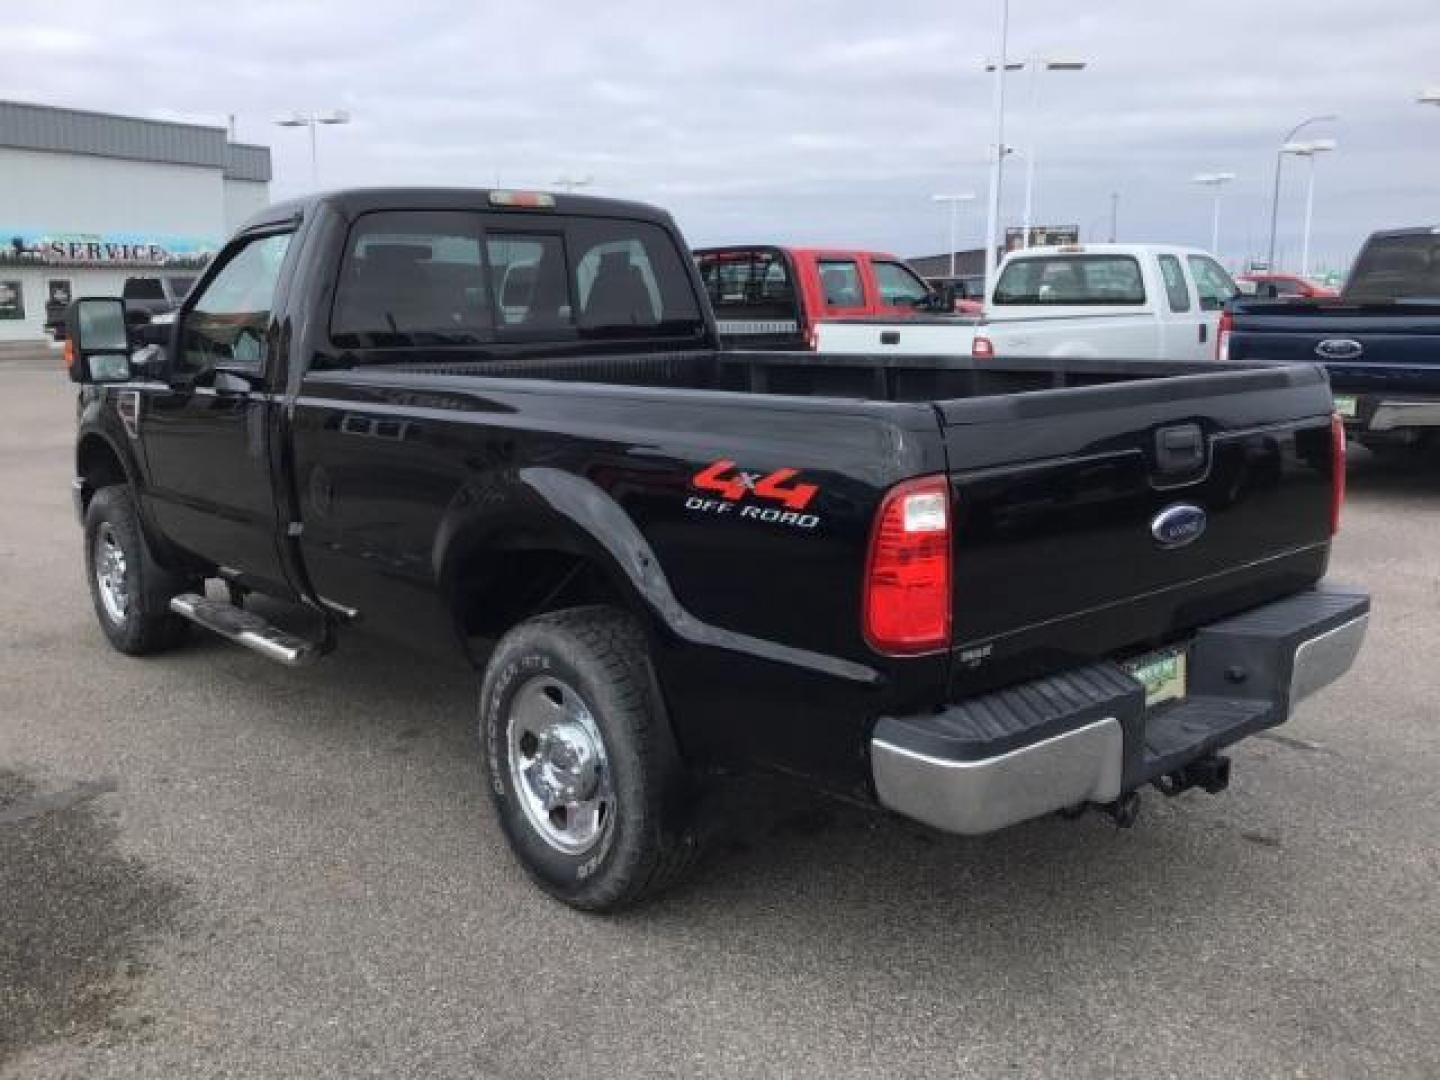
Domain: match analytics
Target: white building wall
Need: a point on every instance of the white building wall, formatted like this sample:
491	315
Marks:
77	193
243	198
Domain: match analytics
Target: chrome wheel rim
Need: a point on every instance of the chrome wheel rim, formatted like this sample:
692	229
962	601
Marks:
558	765
111	573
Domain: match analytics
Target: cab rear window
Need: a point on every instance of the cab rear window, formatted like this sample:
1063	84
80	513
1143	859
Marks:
748	284
425	279
1397	268
1071	281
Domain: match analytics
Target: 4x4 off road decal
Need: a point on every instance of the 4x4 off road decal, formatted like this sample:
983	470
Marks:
738	492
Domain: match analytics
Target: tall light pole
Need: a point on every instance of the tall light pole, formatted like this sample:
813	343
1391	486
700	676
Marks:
954	201
312	121
1308	150
997	165
569	183
1037	65
1275	193
1114	215
1214	181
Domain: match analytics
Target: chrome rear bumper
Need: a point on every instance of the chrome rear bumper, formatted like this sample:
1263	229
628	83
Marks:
933	768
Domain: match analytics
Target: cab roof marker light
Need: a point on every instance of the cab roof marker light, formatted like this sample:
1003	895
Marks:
530	200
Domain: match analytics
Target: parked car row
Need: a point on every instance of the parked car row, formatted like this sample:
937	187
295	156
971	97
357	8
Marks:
970	591
1118	301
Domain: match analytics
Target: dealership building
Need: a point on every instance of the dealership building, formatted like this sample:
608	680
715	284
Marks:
88	200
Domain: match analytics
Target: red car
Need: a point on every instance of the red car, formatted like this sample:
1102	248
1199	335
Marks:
1287	286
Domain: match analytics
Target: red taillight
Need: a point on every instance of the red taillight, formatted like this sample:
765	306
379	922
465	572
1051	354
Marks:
982	348
68	356
1337	470
1222	335
907	574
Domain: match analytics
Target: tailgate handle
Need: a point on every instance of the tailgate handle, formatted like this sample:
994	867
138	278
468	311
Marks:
1179	449
889	337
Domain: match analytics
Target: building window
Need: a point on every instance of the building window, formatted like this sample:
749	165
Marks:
12	300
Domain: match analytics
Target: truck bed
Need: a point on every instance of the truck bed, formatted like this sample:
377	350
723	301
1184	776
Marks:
869	377
1054	466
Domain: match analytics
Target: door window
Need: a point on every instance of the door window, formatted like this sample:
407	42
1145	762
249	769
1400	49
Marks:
898	285
1177	290
1211	282
411	278
840	283
227	324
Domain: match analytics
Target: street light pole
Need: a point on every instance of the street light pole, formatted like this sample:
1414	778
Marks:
1275	192
1036	65
954	201
1214	181
1114	215
312	121
1308	150
992	223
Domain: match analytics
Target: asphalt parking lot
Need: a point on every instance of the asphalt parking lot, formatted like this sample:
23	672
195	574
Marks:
212	866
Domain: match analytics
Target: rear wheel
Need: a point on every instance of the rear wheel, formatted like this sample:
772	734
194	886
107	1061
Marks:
580	762
131	592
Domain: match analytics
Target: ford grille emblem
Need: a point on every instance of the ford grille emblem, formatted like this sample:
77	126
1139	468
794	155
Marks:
1339	349
1178	525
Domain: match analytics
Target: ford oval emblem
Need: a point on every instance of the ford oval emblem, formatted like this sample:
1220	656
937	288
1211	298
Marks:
1339	348
1178	525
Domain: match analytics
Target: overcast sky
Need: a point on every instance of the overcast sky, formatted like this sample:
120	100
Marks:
786	120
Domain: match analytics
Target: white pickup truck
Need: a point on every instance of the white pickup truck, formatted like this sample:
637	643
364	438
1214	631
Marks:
1117	301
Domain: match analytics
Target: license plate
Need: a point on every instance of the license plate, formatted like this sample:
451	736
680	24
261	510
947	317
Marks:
1162	673
1345	405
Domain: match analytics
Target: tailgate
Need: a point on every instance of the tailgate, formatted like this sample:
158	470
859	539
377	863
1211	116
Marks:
1366	347
942	335
1101	519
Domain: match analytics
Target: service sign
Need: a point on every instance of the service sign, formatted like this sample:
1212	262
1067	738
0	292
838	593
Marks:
30	247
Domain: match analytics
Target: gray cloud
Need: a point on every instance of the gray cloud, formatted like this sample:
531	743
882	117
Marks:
810	122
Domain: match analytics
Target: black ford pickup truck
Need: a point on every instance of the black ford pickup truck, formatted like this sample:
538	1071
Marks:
1379	339
972	592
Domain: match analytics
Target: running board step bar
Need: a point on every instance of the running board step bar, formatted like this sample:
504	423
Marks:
248	629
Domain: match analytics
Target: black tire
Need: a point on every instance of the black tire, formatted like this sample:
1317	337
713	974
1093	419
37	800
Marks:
645	843
145	625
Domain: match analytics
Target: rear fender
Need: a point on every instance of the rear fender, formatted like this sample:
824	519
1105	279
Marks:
556	510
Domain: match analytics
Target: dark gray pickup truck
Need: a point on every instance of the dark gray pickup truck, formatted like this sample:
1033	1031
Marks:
500	424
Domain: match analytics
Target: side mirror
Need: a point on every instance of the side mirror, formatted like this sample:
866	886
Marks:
98	340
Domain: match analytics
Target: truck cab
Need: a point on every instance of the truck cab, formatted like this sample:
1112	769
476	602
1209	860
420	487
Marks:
1119	301
823	299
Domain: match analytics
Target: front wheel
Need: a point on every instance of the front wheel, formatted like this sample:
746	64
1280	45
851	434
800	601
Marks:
580	761
131	592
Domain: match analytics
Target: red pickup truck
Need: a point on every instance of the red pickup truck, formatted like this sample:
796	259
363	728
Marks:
768	297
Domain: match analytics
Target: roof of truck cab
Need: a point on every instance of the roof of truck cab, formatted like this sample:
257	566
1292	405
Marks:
1109	249
803	252
353	201
1412	230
